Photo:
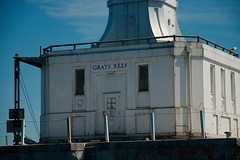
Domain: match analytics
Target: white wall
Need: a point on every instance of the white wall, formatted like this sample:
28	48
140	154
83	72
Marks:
168	95
219	119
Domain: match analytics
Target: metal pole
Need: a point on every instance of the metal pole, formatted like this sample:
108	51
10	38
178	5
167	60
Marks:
106	128
69	129
202	124
23	132
16	83
152	127
17	137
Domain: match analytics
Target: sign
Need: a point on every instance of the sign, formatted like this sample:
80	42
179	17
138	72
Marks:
14	126
110	66
16	113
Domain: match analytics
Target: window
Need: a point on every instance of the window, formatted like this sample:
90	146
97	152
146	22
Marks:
143	78
212	79
80	82
232	85
223	83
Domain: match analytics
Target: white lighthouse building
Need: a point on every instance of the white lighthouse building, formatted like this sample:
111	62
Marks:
141	65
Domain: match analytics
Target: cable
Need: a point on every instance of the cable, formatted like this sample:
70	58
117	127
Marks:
29	105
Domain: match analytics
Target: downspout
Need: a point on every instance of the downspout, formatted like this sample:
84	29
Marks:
189	50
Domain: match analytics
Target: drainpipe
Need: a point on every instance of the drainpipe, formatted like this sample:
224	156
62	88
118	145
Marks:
189	50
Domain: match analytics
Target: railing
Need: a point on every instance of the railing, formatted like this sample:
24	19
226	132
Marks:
123	42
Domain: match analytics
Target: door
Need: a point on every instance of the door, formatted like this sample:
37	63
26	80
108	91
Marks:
113	112
110	93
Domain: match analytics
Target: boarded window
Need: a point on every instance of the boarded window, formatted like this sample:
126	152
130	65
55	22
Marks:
223	83
212	79
80	82
232	86
143	78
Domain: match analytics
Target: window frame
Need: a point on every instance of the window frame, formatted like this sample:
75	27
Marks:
79	87
143	84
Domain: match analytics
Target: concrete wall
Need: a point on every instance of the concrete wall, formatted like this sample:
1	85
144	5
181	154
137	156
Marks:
211	149
41	152
207	149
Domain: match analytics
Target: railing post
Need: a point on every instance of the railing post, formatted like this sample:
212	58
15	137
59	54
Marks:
74	46
69	129
174	37
152	127
106	127
40	51
148	40
6	140
198	38
123	42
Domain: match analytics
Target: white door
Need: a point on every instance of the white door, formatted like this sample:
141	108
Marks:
111	99
113	112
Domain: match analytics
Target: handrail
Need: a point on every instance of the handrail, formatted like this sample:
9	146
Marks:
123	42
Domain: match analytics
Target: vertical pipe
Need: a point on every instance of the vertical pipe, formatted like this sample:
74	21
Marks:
69	129
106	128
23	131
152	127
202	124
190	88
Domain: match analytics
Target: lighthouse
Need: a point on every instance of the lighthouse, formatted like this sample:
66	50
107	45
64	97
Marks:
141	66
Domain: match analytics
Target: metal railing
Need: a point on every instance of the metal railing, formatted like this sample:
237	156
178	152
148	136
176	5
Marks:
123	42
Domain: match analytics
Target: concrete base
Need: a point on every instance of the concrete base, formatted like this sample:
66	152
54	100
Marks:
43	152
207	149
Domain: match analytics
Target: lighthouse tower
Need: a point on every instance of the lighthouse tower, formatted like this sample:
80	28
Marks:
130	19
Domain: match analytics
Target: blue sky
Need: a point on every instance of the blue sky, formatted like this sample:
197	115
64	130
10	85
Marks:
25	25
